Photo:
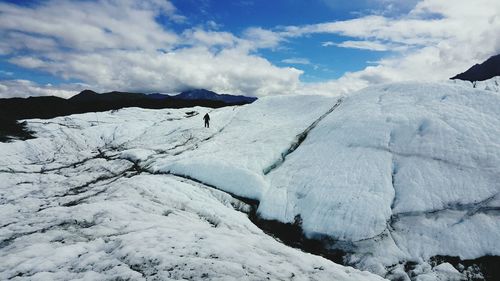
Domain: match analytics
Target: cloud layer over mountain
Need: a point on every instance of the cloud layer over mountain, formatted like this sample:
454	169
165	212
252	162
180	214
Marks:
150	46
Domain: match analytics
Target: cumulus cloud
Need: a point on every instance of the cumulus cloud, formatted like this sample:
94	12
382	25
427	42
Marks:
119	45
410	31
27	61
90	26
228	71
261	38
198	36
21	88
433	41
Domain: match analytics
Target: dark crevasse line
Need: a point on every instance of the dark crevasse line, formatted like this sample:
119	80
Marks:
62	225
470	208
299	139
290	234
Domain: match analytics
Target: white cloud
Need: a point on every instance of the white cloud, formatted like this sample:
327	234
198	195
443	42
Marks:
27	62
434	41
213	25
228	71
3	89
25	88
119	45
89	26
403	31
296	61
13	41
198	36
364	45
261	38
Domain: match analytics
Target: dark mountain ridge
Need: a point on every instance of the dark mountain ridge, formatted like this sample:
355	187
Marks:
195	94
88	95
480	72
209	95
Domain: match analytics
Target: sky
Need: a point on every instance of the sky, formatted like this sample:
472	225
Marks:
250	47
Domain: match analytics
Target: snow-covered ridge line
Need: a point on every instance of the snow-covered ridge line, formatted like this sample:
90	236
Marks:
299	139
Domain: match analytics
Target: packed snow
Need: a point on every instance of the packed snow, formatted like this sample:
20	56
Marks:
391	174
81	203
148	227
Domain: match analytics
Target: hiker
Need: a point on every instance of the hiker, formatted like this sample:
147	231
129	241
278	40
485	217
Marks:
207	120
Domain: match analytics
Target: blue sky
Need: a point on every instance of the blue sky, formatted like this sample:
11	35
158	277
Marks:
237	16
244	47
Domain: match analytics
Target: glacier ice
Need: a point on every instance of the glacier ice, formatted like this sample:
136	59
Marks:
81	201
397	172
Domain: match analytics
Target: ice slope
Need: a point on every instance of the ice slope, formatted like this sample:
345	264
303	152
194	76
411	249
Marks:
235	160
398	173
81	202
407	171
150	227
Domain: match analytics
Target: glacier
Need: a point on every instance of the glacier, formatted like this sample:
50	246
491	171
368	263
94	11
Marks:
80	202
393	174
407	171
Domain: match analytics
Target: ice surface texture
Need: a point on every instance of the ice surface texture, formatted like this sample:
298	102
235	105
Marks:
417	165
399	172
81	202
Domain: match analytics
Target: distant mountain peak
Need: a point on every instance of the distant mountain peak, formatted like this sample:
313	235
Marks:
196	93
87	92
480	72
190	95
84	95
204	94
